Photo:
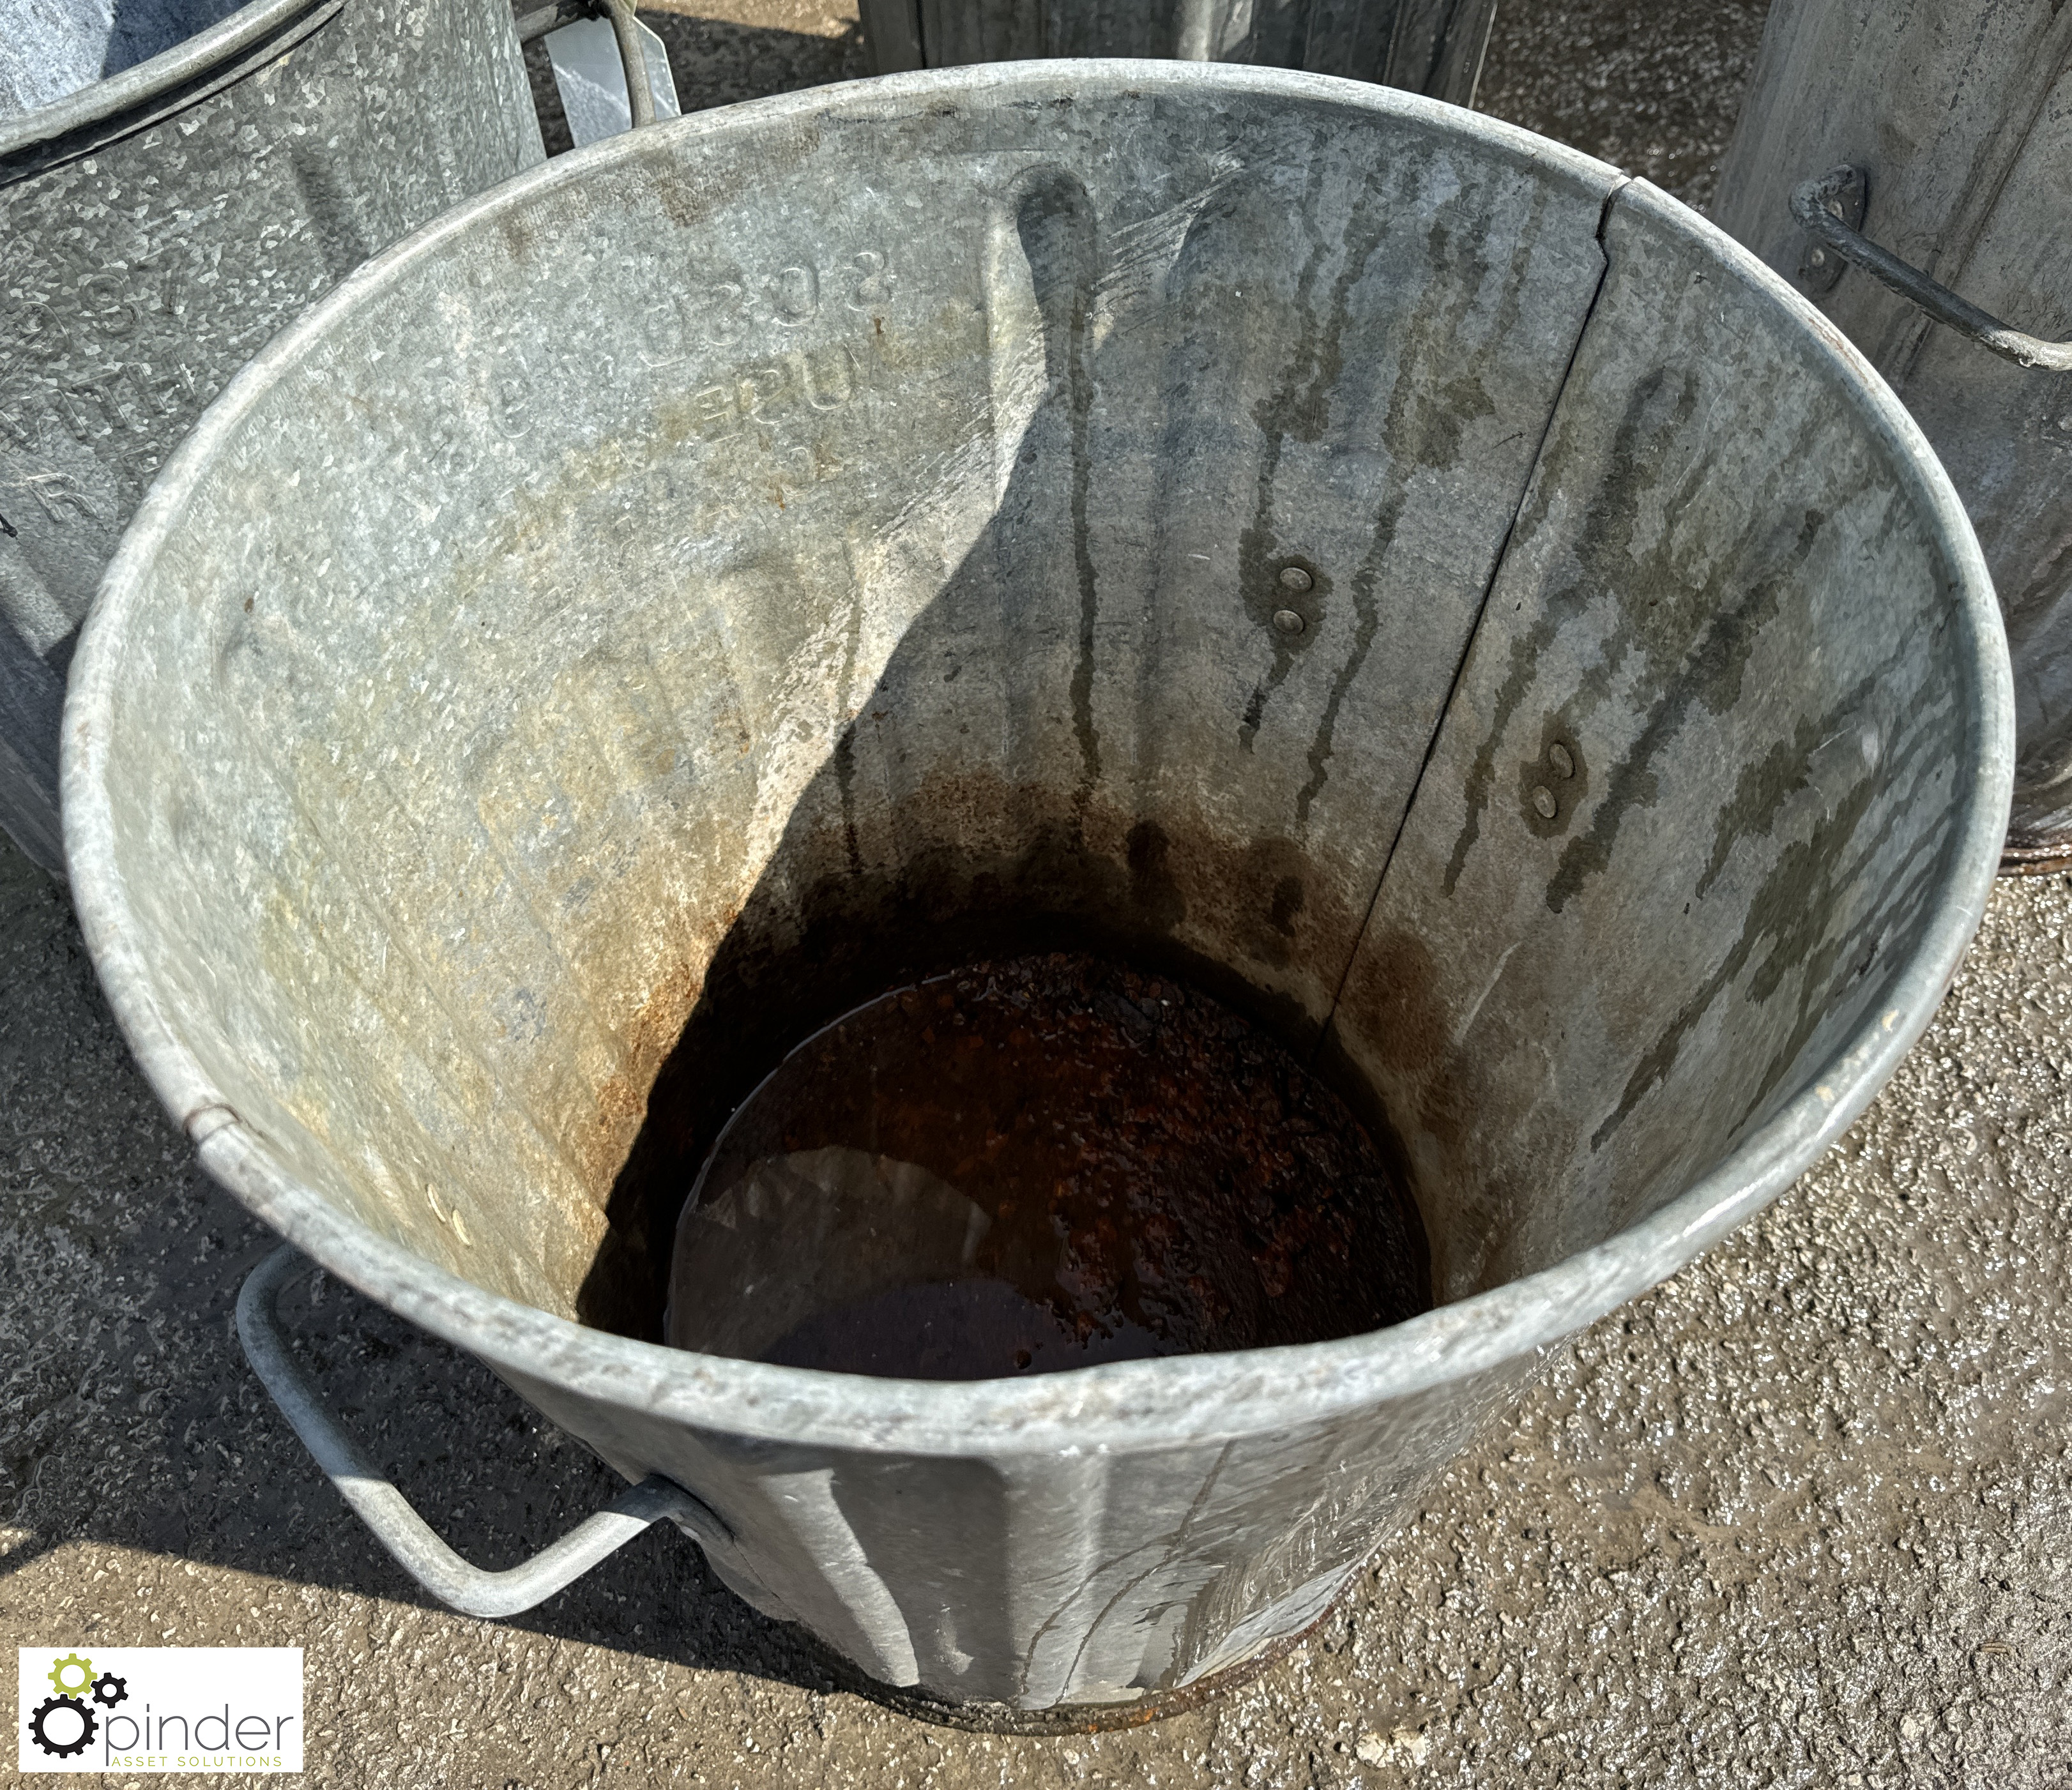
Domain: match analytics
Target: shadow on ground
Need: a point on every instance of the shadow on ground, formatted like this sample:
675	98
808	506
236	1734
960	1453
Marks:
128	1415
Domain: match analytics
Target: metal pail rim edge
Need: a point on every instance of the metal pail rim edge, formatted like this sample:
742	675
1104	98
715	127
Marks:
186	61
1128	1406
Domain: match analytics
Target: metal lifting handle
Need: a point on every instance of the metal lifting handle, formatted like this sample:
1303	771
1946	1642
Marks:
1815	205
384	1509
639	96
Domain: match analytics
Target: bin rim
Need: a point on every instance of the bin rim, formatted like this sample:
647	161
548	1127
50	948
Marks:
189	61
1122	1407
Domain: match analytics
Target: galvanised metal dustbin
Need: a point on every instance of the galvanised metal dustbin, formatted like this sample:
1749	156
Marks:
155	228
1930	146
1430	47
756	560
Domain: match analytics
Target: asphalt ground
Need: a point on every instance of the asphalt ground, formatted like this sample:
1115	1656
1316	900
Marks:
1801	1516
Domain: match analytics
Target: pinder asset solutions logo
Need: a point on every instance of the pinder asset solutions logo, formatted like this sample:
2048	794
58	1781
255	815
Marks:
161	1709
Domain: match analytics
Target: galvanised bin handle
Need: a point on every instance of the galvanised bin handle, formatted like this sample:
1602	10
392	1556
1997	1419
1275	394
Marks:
632	58
1813	205
384	1509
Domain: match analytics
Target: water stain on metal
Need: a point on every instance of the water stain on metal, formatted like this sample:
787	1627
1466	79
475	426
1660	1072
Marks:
597	734
1300	406
1789	913
1694	639
1608	529
1421	430
1706	671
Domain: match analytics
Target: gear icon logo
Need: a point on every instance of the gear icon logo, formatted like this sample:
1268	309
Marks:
65	1724
78	1670
69	1712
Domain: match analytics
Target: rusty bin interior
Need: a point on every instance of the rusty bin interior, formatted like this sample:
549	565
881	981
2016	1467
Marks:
789	550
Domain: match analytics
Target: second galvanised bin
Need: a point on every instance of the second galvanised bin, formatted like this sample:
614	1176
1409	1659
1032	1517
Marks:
156	227
758	559
1905	165
1430	47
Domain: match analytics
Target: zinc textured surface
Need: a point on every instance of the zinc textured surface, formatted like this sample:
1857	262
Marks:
1961	116
145	257
49	48
479	703
1800	1517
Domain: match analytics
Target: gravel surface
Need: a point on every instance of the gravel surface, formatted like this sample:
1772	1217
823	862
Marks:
1651	85
1801	1517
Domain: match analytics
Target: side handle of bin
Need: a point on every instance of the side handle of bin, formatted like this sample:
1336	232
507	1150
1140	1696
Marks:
398	1527
632	58
1813	205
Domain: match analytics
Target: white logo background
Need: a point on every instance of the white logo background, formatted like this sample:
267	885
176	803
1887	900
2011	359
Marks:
162	1709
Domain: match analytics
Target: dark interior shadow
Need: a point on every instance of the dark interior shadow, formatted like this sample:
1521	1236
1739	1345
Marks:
51	50
830	926
716	62
139	29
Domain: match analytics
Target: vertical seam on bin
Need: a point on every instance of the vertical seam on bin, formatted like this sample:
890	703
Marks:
1170	1542
1475	631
